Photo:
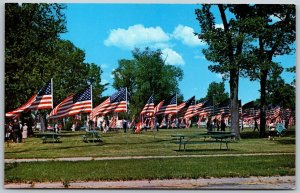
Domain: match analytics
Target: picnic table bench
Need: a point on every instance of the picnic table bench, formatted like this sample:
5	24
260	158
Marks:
205	138
45	137
92	135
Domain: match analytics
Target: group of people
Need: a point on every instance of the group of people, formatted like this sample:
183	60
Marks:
16	131
215	124
175	123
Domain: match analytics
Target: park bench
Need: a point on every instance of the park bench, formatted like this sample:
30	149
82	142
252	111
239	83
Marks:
205	138
92	136
54	137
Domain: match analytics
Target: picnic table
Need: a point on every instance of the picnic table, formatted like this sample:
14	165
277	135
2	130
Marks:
204	138
83	128
49	136
93	135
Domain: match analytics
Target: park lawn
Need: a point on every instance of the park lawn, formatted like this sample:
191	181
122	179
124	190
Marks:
139	169
149	143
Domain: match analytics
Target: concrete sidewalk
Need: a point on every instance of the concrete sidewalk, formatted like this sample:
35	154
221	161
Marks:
251	183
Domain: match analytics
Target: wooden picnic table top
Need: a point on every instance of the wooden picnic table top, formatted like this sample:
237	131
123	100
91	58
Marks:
92	132
218	135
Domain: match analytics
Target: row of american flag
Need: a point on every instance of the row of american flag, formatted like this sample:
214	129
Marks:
81	102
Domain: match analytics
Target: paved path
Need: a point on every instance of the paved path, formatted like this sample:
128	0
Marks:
252	183
137	157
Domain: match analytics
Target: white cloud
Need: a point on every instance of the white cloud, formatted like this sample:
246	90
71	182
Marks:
111	73
104	81
187	36
137	36
220	76
103	66
200	57
219	26
172	57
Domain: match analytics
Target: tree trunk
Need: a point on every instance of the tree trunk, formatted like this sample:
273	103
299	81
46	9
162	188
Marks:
234	84
263	82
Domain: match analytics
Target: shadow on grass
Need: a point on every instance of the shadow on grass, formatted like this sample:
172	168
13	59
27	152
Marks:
249	135
55	148
205	150
93	141
143	142
51	142
286	141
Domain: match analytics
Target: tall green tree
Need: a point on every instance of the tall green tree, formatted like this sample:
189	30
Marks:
34	54
226	48
273	27
31	32
147	74
216	92
280	93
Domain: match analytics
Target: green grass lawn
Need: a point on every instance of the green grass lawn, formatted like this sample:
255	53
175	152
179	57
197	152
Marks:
145	144
149	144
168	168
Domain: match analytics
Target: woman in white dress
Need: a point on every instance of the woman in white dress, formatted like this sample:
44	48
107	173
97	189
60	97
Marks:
24	132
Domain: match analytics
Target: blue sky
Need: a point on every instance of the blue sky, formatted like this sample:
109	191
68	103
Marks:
109	32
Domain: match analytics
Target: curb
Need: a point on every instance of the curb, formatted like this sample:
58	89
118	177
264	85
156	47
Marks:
253	183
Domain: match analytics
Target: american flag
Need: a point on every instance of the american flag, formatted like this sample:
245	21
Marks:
223	108
80	102
41	100
132	123
97	109
149	107
158	106
286	114
116	103
187	111
206	108
169	106
198	107
276	111
248	113
113	122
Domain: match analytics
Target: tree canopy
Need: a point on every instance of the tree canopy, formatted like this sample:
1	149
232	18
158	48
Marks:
147	74
34	53
246	45
272	29
216	92
227	48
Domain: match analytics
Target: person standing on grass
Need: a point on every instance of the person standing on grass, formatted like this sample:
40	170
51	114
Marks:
16	131
56	128
223	125
8	132
199	121
124	124
208	125
24	132
218	125
255	125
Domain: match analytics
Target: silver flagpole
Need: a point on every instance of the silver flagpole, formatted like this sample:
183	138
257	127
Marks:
52	91
126	101
88	118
